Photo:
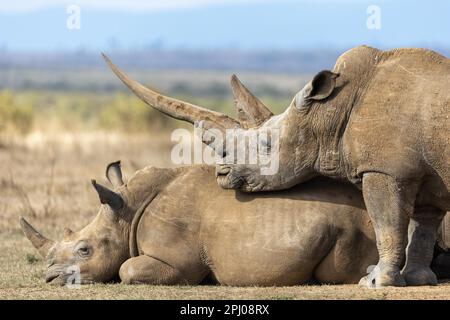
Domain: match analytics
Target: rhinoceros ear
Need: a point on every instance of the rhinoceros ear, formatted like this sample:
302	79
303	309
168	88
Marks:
109	197
114	174
321	86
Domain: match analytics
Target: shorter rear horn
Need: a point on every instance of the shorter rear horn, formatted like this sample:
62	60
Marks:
250	110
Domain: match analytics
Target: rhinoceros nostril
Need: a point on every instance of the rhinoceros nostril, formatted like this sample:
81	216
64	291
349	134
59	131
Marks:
51	277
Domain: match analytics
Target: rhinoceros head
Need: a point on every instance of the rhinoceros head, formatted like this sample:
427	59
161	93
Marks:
95	253
289	141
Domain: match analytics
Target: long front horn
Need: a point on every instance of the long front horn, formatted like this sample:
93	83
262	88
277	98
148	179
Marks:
172	107
250	110
41	243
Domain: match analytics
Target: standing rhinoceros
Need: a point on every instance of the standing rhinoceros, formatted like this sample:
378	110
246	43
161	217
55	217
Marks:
176	226
381	120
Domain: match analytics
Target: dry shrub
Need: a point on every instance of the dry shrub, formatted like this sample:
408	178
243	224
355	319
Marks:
15	117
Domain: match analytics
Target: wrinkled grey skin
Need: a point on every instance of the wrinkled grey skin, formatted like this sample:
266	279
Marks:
380	120
190	230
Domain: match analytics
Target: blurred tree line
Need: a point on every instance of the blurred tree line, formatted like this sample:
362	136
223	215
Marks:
15	116
26	110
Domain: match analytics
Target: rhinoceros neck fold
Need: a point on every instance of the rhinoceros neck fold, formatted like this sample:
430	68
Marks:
132	239
332	126
330	161
356	68
143	187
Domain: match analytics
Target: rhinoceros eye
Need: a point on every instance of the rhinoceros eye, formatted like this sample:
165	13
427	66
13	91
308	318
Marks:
84	250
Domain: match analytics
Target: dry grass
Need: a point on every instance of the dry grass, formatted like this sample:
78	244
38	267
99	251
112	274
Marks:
46	178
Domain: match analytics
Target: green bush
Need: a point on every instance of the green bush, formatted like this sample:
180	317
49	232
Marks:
14	116
127	113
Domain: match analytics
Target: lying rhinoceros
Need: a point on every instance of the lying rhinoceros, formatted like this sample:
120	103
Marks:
176	226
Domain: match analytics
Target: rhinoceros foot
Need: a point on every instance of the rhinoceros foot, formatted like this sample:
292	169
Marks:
419	276
383	276
441	265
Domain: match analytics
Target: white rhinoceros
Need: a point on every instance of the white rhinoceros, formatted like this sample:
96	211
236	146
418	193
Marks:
177	226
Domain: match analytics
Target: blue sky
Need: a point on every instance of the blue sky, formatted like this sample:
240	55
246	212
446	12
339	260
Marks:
216	24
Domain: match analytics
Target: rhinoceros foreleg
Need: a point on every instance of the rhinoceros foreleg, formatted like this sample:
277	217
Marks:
422	233
148	270
389	205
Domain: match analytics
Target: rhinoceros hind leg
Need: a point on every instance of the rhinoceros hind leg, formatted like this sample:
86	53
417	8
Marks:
148	270
422	233
420	276
389	205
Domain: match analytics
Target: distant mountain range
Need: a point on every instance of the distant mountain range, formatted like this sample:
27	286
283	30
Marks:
264	61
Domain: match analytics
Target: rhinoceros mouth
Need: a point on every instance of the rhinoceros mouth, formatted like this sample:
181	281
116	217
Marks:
229	180
222	180
56	275
62	279
222	171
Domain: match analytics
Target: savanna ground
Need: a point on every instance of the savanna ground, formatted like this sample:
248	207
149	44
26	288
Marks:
54	140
